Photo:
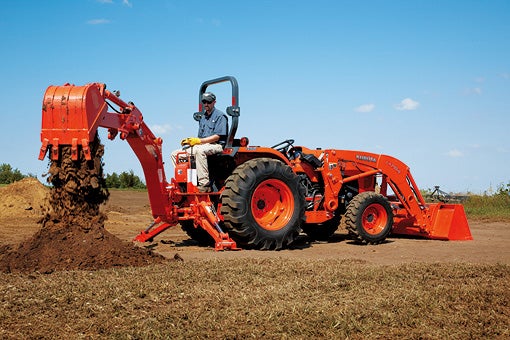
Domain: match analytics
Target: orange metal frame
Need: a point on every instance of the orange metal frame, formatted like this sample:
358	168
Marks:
72	114
412	216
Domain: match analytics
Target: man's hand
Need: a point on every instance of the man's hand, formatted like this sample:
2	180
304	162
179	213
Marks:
191	141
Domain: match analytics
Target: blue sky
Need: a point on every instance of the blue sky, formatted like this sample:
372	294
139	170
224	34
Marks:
427	82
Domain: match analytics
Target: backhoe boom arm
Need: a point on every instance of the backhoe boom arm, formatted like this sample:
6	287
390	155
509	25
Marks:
72	114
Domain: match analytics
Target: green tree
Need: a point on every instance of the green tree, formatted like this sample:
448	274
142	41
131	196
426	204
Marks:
130	180
112	181
124	180
9	175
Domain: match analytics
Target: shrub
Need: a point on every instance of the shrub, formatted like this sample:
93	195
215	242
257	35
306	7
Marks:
490	206
9	175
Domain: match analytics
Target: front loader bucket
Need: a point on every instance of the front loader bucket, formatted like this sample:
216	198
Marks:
448	222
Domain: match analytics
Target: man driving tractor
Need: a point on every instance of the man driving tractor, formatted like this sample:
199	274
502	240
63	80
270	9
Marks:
212	135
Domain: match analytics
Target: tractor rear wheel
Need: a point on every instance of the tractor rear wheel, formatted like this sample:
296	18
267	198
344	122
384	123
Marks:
263	204
369	217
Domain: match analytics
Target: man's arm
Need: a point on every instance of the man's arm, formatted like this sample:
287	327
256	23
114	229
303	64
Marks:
210	139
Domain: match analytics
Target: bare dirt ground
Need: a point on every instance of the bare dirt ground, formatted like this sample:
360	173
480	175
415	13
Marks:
65	281
128	212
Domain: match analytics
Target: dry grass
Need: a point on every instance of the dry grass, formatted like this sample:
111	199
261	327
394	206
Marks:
271	298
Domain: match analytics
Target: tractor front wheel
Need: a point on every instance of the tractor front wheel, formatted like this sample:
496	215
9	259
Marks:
263	204
369	217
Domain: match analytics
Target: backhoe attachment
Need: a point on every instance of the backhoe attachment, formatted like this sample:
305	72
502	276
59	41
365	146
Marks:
71	116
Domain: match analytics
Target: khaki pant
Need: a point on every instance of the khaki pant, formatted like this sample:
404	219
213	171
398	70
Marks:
200	151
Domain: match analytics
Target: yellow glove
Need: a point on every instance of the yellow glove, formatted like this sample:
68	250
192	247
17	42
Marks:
191	141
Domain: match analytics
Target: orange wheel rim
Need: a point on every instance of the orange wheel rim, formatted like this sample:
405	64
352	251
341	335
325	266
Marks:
272	204
374	219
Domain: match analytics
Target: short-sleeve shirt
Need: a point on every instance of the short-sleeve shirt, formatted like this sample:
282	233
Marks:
215	124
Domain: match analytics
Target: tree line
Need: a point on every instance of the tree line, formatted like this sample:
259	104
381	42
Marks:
9	175
124	180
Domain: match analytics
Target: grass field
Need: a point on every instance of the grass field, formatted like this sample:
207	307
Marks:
495	207
271	298
274	297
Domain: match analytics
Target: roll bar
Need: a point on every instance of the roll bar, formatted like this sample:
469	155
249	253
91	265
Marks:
233	111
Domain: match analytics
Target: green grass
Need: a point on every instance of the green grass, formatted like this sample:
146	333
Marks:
128	189
495	207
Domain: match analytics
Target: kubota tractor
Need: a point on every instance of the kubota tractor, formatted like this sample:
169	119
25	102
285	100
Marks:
264	196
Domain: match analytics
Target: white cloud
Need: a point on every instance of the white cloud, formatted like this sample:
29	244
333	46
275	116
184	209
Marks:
365	108
124	2
162	129
98	21
407	104
474	90
454	153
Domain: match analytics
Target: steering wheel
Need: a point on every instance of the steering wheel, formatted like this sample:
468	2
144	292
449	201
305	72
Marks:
284	146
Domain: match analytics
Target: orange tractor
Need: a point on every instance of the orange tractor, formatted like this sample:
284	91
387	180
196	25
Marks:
264	197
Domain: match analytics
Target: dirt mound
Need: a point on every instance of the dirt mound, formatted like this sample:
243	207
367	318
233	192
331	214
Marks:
27	196
71	248
72	235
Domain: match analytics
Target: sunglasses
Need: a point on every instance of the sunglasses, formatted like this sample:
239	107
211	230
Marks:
206	102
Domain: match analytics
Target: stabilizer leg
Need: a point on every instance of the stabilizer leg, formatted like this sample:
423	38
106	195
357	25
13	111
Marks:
210	223
148	234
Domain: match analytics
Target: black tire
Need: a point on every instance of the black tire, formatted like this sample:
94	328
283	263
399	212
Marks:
369	217
198	234
322	231
263	204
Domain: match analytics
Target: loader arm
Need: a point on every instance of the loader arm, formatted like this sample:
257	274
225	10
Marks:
71	116
412	216
397	176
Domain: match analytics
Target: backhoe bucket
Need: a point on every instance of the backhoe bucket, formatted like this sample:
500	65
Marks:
449	222
70	116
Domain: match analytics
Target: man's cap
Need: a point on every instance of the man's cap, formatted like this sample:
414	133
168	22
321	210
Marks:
209	96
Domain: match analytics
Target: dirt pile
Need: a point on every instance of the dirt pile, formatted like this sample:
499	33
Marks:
22	198
72	235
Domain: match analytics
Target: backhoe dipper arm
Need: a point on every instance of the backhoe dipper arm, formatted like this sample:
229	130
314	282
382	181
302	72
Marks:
71	116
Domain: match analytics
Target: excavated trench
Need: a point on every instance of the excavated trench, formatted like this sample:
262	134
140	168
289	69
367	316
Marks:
72	234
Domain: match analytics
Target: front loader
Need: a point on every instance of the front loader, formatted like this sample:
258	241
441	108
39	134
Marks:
263	197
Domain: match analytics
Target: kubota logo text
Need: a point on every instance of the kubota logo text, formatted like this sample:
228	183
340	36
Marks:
366	158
